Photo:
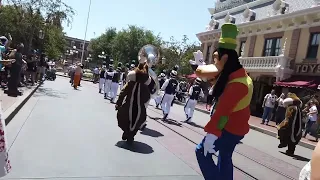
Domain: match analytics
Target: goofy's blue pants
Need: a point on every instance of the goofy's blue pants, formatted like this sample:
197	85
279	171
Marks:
225	145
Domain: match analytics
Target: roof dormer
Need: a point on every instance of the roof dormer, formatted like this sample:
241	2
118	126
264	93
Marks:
230	19
280	7
249	15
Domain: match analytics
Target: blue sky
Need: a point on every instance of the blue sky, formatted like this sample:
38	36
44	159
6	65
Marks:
168	17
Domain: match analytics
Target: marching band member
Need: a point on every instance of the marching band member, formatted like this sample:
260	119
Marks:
115	84
161	79
132	67
102	79
107	85
170	87
195	92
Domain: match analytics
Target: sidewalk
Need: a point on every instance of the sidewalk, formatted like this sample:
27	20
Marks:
255	124
11	105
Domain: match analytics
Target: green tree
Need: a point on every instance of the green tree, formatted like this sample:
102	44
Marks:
178	53
103	43
128	43
54	43
25	18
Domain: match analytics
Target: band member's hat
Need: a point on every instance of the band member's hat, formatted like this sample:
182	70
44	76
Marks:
173	73
198	81
162	75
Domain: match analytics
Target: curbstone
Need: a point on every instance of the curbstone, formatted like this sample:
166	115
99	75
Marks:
259	129
15	108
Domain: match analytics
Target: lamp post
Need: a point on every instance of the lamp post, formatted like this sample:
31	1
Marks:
41	36
88	60
73	52
102	56
163	60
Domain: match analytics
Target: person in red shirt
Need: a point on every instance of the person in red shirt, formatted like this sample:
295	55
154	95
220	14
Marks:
232	94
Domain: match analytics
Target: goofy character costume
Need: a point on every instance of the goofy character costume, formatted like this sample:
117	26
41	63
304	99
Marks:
229	122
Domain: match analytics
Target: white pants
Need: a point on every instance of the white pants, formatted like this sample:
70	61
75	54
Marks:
107	87
189	107
157	99
114	90
101	83
166	103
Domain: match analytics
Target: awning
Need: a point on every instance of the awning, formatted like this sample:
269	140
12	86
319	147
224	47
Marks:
312	82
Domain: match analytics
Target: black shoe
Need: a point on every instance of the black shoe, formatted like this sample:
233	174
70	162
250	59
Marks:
290	153
105	95
165	117
188	120
124	137
130	140
262	123
282	145
143	127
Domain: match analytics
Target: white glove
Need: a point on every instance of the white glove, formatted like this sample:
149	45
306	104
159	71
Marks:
208	145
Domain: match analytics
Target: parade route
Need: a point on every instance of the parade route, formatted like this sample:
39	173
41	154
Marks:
62	133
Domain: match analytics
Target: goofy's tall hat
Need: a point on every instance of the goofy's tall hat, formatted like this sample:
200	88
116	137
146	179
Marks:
232	94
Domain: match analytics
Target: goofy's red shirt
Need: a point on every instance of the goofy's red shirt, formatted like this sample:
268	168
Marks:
232	111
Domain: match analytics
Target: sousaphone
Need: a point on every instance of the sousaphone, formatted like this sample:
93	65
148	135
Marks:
150	54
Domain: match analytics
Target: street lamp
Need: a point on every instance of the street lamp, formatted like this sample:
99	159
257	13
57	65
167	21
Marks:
103	57
41	35
163	60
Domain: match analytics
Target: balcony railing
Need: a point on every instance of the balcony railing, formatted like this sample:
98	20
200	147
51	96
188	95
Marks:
265	64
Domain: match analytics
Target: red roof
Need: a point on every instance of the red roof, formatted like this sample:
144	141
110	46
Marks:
300	82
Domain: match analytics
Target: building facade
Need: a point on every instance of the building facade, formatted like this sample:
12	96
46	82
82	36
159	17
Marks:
278	39
74	48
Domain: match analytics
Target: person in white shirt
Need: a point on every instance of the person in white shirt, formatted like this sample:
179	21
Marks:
268	106
312	118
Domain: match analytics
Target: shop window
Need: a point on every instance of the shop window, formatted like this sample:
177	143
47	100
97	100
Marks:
272	47
313	46
208	53
242	44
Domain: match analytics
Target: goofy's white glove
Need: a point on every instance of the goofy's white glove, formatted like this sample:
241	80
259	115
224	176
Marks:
208	145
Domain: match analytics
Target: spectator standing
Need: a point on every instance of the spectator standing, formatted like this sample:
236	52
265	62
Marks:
312	118
268	105
31	68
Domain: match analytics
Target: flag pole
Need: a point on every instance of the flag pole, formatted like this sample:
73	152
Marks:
85	34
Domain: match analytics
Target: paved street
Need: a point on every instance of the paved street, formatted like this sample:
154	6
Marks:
68	134
63	133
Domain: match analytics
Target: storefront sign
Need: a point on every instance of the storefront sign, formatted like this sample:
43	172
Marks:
307	69
229	4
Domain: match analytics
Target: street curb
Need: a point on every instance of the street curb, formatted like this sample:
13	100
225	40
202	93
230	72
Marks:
259	129
15	108
68	77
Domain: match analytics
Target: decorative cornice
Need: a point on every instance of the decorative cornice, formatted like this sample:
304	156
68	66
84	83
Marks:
239	8
269	20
